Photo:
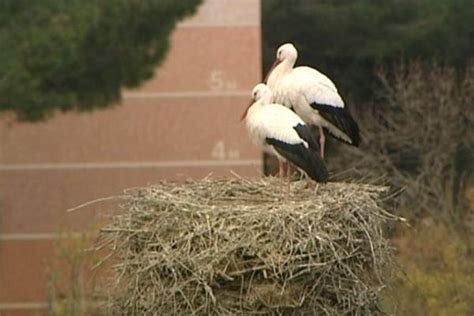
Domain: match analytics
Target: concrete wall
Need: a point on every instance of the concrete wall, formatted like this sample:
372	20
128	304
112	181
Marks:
184	123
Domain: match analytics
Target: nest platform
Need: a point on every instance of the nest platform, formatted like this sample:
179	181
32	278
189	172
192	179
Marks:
238	246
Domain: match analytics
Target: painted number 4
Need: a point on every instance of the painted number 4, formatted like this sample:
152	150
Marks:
220	152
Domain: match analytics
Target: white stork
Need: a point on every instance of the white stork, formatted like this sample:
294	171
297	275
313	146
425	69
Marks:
280	131
312	95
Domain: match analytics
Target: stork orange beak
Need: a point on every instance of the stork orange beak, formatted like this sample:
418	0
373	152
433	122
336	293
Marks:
246	110
275	63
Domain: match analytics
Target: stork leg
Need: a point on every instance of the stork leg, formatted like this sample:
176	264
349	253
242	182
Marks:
288	174
286	168
322	140
282	190
281	172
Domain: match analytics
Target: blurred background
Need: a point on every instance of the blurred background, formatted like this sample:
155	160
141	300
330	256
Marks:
97	97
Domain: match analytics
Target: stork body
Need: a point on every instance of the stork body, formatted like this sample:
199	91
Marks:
280	131
311	95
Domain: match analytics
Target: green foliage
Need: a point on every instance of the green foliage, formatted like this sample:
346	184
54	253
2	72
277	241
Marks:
78	54
348	39
438	272
68	281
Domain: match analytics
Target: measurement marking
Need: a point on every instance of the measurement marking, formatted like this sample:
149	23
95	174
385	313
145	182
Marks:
23	305
183	25
129	165
28	236
39	236
185	94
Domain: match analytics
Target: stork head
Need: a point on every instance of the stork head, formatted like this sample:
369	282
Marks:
286	52
260	92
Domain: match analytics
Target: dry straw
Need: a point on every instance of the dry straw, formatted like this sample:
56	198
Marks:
236	246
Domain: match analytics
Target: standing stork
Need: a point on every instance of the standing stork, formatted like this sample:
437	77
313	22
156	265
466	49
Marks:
312	95
280	131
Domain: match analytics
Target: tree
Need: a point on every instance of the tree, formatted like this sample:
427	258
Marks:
78	54
421	136
348	39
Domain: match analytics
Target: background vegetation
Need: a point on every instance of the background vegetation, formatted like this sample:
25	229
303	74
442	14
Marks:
348	39
405	70
78	54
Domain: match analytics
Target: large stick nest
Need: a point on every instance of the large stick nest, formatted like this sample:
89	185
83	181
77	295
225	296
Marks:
236	246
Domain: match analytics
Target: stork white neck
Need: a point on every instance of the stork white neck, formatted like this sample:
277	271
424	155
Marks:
261	95
285	61
280	70
264	98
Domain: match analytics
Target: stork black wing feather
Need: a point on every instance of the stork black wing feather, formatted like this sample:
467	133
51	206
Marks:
305	133
340	118
307	159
